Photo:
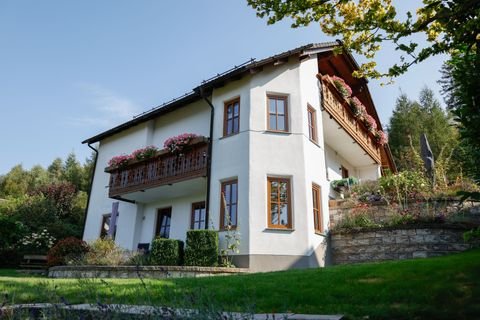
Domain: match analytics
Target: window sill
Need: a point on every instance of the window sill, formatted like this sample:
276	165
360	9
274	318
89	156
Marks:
278	132
228	136
314	142
226	230
285	230
323	234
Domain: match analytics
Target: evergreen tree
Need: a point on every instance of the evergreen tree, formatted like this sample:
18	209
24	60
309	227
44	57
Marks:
73	171
462	96
55	170
410	119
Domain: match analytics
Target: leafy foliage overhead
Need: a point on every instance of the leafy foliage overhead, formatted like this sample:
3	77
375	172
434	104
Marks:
364	25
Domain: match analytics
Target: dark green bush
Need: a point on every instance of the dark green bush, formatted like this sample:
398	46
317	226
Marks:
202	248
166	252
11	231
10	258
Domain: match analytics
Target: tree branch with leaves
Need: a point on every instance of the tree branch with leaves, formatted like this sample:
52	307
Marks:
364	25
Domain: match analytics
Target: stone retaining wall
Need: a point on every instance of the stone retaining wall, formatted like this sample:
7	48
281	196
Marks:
395	244
157	272
380	212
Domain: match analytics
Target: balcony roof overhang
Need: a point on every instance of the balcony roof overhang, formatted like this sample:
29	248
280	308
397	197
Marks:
340	141
170	191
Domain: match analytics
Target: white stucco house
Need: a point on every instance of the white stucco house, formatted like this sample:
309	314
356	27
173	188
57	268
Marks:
272	134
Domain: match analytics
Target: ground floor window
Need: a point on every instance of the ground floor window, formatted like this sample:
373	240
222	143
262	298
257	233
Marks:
317	208
228	205
164	217
199	216
344	172
106	225
279	203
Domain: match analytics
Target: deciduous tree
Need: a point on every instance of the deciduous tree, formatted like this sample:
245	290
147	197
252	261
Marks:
364	25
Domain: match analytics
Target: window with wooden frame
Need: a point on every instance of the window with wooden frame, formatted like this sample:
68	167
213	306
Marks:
231	117
164	218
105	227
229	204
344	172
199	216
279	203
277	113
317	208
312	124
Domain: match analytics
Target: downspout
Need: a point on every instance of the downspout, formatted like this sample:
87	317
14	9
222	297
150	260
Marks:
90	188
209	154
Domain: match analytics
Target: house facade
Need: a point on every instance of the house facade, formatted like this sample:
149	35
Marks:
270	137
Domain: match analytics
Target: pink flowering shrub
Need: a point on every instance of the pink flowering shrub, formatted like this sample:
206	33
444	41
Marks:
119	161
144	153
358	108
342	86
370	122
177	143
381	137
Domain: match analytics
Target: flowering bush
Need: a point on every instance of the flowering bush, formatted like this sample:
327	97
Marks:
177	143
370	122
144	153
66	250
358	108
381	137
119	161
342	86
37	242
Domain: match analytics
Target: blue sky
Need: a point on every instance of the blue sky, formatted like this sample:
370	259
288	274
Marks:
71	69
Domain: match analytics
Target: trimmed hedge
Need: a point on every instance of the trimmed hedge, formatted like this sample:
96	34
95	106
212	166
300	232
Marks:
166	252
202	248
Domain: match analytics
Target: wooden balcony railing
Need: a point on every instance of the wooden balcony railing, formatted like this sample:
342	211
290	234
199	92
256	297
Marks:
162	169
339	109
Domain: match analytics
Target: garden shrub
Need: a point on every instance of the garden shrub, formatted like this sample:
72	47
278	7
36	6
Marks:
66	251
201	248
166	252
11	231
10	258
106	252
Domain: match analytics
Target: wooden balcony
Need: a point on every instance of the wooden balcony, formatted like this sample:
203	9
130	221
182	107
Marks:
339	109
162	169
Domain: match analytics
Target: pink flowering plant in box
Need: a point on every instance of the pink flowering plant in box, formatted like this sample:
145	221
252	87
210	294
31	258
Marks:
144	153
177	144
370	122
342	86
358	108
381	137
119	161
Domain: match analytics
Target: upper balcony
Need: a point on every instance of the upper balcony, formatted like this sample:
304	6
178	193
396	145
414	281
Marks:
339	110
164	168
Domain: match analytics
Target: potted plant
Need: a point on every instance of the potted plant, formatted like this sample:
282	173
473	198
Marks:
343	184
144	153
119	161
177	144
342	86
381	137
357	107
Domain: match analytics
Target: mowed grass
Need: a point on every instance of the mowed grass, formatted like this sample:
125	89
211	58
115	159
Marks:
435	288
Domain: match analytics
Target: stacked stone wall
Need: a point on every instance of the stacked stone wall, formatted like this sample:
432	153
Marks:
396	244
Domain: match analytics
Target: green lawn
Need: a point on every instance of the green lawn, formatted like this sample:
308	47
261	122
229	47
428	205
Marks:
441	288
